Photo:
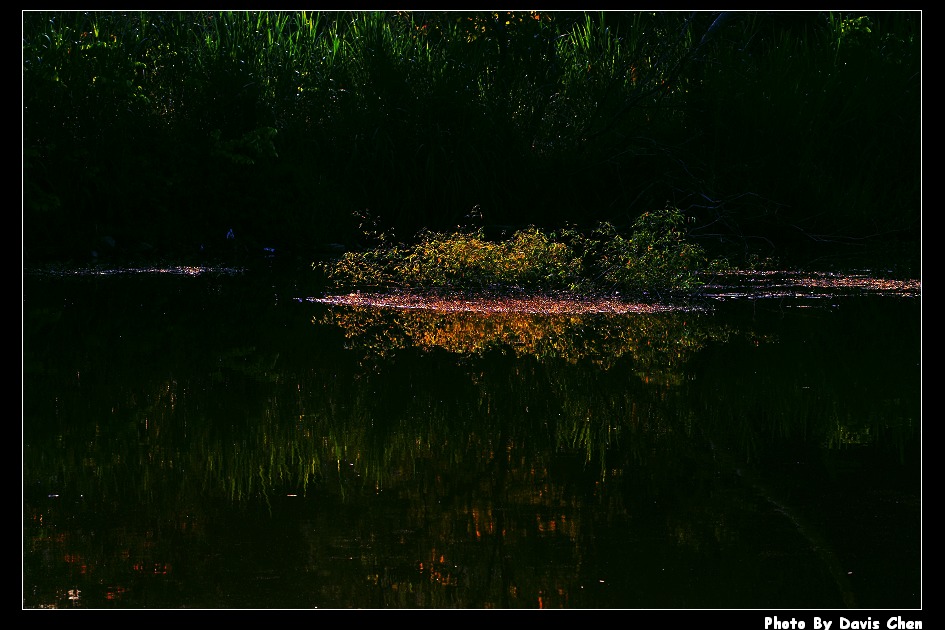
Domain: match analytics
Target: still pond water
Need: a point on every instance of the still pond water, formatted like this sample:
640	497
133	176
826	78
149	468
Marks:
215	438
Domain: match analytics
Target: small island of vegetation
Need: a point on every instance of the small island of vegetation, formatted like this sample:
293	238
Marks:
655	256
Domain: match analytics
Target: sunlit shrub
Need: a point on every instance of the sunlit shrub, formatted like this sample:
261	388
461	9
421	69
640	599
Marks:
655	256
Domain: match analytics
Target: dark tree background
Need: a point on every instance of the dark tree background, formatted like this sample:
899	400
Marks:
195	136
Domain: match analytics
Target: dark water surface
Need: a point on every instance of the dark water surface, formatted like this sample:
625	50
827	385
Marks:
216	440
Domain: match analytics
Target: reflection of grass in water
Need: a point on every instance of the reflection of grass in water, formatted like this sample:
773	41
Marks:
367	433
426	426
582	417
378	427
587	378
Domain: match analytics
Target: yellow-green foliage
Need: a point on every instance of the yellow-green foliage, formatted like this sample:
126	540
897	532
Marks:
655	256
469	260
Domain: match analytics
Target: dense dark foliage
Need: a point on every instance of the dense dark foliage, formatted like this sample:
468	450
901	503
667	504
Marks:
218	134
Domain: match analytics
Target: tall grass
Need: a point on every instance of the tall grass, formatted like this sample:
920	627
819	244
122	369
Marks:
171	128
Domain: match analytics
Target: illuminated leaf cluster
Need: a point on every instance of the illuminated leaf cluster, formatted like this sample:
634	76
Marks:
655	256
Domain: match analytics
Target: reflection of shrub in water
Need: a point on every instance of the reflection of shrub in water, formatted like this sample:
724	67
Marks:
659	344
